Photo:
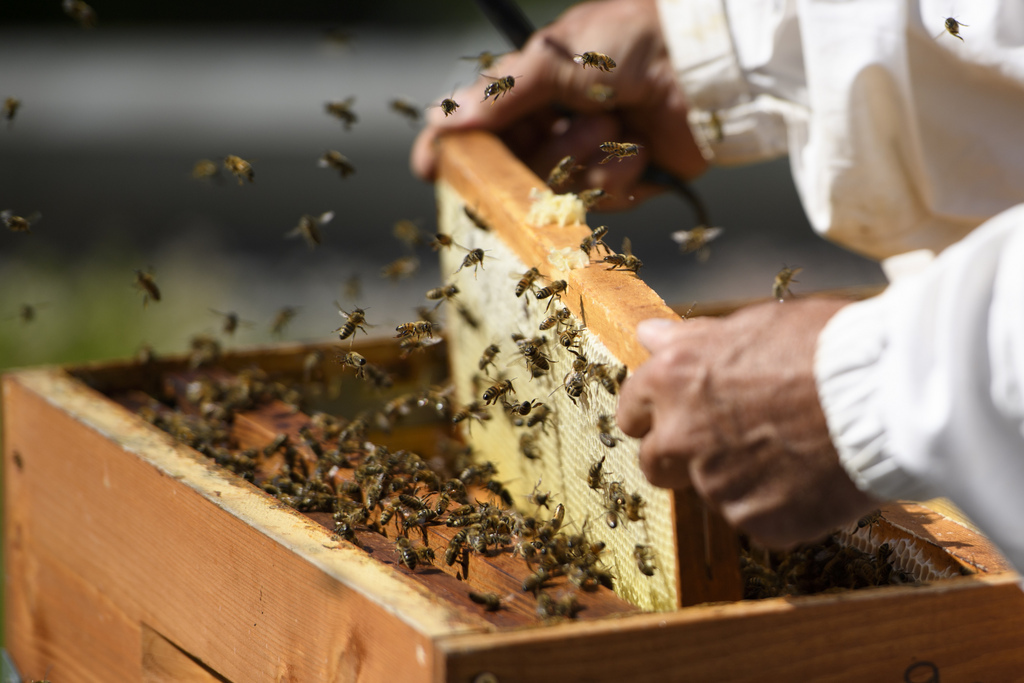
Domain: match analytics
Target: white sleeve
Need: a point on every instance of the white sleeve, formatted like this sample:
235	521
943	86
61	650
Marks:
901	136
923	386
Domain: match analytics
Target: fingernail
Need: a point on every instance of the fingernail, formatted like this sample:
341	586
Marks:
651	331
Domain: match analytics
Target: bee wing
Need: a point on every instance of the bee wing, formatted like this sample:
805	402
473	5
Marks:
6	214
323	162
627	246
325	217
681	236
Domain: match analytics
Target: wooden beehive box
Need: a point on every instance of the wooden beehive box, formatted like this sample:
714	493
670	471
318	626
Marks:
130	556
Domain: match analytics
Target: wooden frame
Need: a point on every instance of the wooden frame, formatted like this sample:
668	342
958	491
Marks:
130	557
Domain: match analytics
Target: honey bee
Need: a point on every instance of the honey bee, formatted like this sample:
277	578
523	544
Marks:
575	381
523	408
487	358
405	108
442	294
537	498
562	171
231	321
442	241
532	350
448	106
562	317
10	108
715	123
355	361
309	228
204	351
337	161
600	93
353	287
644	555
633	505
783	279
474	410
27	312
592	197
552	290
417	330
595	479
281	319
353	321
343	111
400	268
526	280
80	12
240	167
407	232
474	258
145	283
491	601
205	169
952	27
618	150
539	416
605	424
597	60
476	219
696	240
498	390
528	446
18	223
311	365
499	87
410	556
625	260
467	316
485	60
595	239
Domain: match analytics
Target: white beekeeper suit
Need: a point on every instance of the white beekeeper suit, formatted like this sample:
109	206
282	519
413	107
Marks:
902	138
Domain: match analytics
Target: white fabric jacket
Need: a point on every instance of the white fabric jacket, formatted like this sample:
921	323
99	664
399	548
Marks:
901	137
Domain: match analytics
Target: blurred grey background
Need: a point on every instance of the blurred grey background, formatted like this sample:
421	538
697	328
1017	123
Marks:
113	120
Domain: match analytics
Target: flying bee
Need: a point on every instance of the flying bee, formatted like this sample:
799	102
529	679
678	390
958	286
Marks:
442	294
625	260
605	424
497	390
487	358
353	287
448	106
205	169
474	410
474	258
526	280
338	161
600	93
407	232
309	228
523	408
406	108
618	150
644	556
342	111
355	361
231	321
18	223
485	60
27	312
491	601
598	60
400	268
562	172
595	479
240	167
442	241
499	87
528	446
281	319
416	330
539	416
783	279
592	197
467	316
10	108
476	219
952	27
537	498
145	283
80	12
696	240
353	321
595	239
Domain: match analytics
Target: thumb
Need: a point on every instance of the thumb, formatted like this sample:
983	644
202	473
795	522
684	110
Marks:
655	333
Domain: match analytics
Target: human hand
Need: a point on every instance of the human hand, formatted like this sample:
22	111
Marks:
648	106
731	406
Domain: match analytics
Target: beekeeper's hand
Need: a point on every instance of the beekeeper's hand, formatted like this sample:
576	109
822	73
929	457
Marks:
647	107
730	406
